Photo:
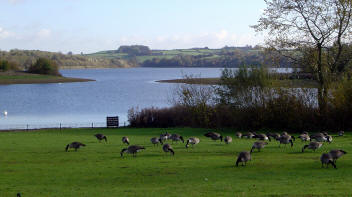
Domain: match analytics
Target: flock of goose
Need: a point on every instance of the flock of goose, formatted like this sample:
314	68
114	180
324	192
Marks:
315	142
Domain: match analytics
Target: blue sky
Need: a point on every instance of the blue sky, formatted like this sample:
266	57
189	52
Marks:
94	25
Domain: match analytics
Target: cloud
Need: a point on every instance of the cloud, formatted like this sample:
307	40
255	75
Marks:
4	34
44	33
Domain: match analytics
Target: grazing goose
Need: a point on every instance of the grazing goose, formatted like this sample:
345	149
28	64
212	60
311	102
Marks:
156	141
262	137
304	137
259	145
248	135
319	137
285	139
101	137
125	140
74	145
133	149
328	138
168	148
276	136
176	138
193	141
341	133
286	134
165	136
243	157
18	194
228	139
213	135
239	134
312	145
326	158
337	154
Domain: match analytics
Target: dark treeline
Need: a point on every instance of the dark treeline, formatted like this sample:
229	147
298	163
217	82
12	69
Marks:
244	101
230	58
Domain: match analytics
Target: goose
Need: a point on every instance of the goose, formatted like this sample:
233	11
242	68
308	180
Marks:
176	138
262	137
326	158
243	157
286	134
228	139
312	145
328	138
337	154
100	137
319	137
156	141
193	141
285	139
239	134
248	135
276	136
304	137
125	140
75	145
259	145
165	136
213	135
168	148
341	133
133	149
18	194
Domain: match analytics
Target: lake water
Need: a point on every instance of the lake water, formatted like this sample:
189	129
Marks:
80	104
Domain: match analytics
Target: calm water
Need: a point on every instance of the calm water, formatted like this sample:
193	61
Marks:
80	104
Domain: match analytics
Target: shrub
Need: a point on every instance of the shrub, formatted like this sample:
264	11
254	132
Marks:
6	66
44	66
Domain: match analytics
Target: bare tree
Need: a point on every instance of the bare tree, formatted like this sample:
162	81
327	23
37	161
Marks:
321	29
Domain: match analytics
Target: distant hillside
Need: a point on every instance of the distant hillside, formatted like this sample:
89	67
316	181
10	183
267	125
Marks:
24	58
195	57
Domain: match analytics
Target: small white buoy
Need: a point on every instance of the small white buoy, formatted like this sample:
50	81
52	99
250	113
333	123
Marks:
5	113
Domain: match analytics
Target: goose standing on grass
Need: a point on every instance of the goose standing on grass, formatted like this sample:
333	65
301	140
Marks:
156	141
176	138
248	135
304	137
312	145
168	148
276	136
213	135
286	134
243	157
337	154
326	158
75	145
285	139
133	149
262	137
328	138
319	137
228	139
125	140
239	134
165	136
101	137
259	145
193	141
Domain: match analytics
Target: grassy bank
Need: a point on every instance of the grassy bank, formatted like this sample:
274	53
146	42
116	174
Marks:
7	78
35	164
295	83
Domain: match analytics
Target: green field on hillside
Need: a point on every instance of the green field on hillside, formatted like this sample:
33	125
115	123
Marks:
36	164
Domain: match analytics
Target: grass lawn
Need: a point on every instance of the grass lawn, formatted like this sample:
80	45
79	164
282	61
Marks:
7	78
36	164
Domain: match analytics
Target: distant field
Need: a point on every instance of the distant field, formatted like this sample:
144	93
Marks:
26	78
35	164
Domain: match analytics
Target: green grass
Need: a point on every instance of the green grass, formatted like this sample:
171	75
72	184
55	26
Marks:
35	164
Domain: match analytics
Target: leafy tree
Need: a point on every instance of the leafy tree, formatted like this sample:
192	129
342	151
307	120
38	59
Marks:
319	29
44	66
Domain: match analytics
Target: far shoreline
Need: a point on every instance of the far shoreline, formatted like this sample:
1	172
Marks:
10	78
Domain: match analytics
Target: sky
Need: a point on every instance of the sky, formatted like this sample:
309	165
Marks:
94	25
